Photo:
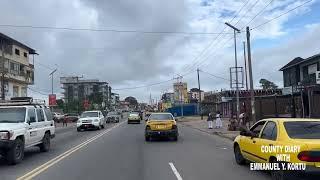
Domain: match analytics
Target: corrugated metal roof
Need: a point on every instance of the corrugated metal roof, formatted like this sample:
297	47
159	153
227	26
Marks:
298	60
31	51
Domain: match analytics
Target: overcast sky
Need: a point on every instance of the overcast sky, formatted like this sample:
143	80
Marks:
135	59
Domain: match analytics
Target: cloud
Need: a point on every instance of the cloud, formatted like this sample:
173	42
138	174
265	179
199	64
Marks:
134	59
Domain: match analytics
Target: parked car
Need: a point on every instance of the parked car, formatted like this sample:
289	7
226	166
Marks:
91	120
280	132
71	117
24	124
57	117
161	125
113	117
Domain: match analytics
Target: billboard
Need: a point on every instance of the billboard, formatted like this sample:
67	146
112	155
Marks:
180	92
52	100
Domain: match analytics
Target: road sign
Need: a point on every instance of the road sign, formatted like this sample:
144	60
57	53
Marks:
52	100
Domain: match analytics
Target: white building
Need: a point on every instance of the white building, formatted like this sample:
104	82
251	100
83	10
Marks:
16	67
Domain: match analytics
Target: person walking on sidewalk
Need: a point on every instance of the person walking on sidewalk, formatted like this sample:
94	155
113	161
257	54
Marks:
218	120
210	121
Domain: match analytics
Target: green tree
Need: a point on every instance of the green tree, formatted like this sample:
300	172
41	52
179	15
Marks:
266	84
131	100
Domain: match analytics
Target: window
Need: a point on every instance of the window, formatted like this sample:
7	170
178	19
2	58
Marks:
31	115
40	115
303	129
257	127
12	115
14	68
270	131
161	117
15	91
25	54
17	52
48	115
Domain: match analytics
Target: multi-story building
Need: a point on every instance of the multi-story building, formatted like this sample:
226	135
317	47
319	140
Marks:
194	95
115	100
78	89
16	67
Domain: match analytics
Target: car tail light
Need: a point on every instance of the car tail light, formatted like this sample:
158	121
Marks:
174	126
148	127
309	156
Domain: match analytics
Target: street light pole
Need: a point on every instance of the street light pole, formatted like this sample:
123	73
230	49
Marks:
51	74
236	30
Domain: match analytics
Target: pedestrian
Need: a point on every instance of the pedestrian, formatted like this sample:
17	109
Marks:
65	122
210	121
218	120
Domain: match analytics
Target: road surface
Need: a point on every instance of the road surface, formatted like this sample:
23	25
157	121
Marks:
119	152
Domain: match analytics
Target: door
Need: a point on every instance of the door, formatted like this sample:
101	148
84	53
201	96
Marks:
31	127
41	125
248	144
268	138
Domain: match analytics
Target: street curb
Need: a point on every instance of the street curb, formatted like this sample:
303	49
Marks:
213	133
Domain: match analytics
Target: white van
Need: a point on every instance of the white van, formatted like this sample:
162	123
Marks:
24	124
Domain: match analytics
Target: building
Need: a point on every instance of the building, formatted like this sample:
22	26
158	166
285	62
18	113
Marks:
301	78
194	95
301	72
78	89
167	98
180	91
16	67
115	100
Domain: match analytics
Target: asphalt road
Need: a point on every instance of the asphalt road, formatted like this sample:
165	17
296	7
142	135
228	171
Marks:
120	153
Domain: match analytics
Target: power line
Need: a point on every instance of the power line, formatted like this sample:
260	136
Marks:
219	77
260	12
199	62
36	91
107	30
196	60
153	84
268	21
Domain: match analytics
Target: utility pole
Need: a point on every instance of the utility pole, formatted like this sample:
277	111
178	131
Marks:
51	74
253	111
199	94
236	30
245	64
3	94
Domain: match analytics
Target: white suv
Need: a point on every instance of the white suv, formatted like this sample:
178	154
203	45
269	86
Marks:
91	120
22	125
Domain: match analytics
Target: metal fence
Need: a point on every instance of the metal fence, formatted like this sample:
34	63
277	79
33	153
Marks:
270	106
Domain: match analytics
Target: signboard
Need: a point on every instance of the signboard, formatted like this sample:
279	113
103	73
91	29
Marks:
86	104
318	77
52	100
180	92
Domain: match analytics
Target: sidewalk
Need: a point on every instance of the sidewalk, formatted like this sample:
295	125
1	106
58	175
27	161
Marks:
202	125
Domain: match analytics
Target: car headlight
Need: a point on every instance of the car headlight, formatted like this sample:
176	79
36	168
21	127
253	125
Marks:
96	120
6	135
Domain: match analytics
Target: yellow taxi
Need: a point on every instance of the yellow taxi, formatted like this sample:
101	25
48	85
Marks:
281	140
134	117
161	125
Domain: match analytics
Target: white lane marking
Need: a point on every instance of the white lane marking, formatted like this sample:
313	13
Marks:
175	171
62	156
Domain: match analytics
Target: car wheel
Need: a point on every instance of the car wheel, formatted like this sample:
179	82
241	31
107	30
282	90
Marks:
102	126
78	129
16	153
45	145
238	156
280	174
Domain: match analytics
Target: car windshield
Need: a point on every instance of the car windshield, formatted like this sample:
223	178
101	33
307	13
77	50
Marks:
303	129
112	113
12	115
160	117
89	114
134	114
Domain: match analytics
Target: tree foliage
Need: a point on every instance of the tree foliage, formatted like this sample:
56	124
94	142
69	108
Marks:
131	100
266	84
